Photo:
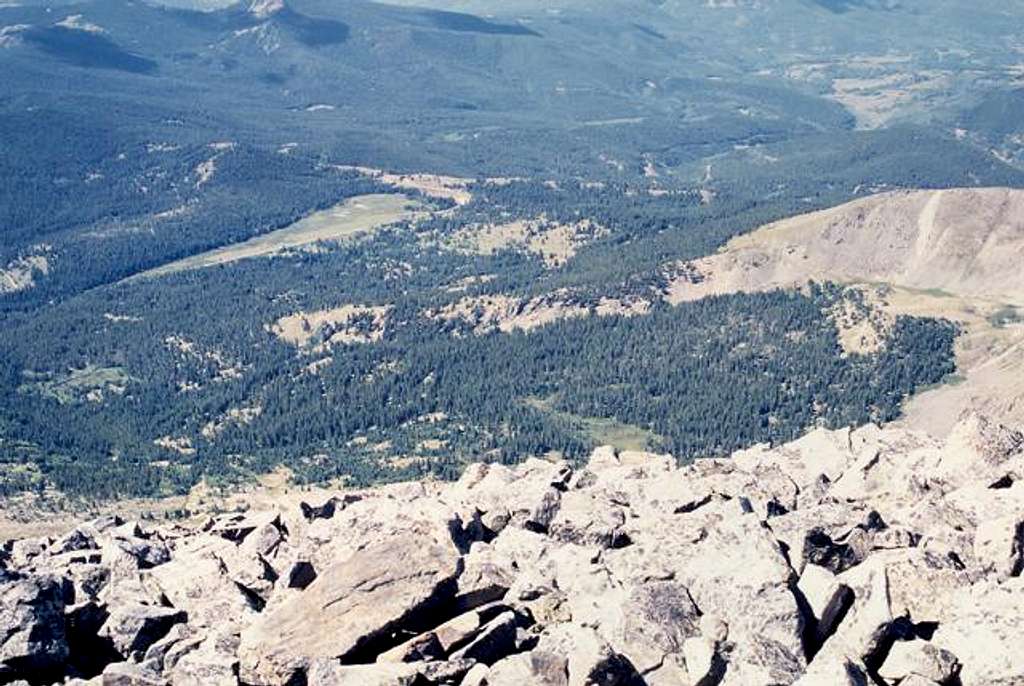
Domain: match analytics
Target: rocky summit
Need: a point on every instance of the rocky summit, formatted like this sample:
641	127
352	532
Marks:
867	556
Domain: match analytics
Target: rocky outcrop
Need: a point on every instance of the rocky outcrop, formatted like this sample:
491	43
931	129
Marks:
872	556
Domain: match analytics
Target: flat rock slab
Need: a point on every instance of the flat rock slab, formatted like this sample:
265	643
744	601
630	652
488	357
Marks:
351	605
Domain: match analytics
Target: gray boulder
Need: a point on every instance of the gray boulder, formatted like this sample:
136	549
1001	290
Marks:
33	642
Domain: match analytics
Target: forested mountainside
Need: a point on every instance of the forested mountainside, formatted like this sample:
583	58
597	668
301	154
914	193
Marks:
381	240
700	379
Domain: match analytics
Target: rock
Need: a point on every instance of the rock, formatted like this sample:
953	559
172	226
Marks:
847	557
580	656
658	617
486	577
212	661
922	585
351	606
737	569
828	601
703	663
127	674
266	540
198	581
155	658
33	642
999	545
917	680
865	630
88	651
586	518
300	574
603	457
23	552
834	671
495	641
126	555
476	676
976	448
89	580
456	632
132	629
714	628
531	504
417	649
331	673
516	670
238	527
75	540
919	658
813	532
327	509
982	629
251	573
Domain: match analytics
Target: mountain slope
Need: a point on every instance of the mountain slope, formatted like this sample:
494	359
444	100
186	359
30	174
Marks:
965	241
947	253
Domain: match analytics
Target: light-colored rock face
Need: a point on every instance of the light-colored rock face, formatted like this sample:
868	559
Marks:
875	556
963	241
351	604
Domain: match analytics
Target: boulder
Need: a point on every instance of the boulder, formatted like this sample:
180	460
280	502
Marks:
575	655
532	503
476	676
827	599
328	508
199	582
527	668
444	639
128	554
918	657
658	617
819	453
918	680
24	551
156	657
486	577
820	534
417	649
703	663
976	448
865	631
300	574
239	526
128	674
590	519
212	661
495	641
922	584
133	628
834	670
323	672
75	540
89	651
353	607
999	545
982	629
33	642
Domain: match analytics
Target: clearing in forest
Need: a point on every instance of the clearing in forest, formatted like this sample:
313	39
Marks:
604	431
356	216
